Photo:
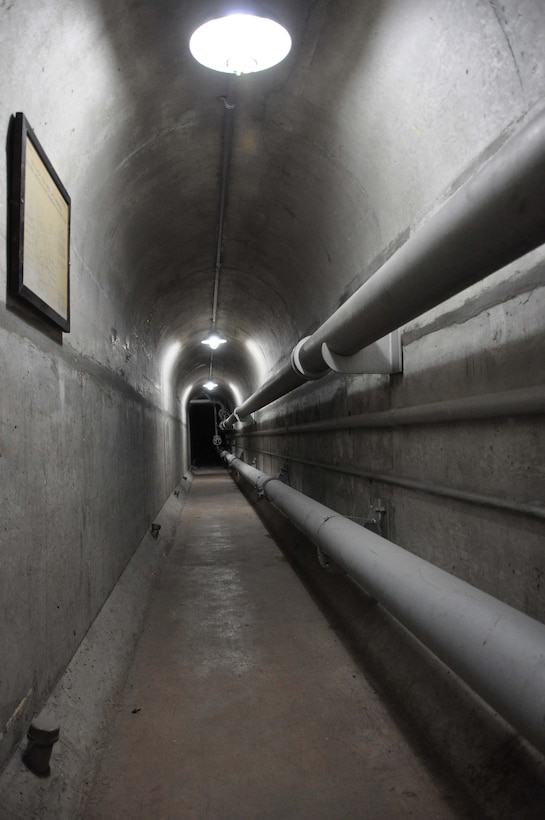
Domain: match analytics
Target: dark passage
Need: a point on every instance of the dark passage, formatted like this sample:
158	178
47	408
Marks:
202	431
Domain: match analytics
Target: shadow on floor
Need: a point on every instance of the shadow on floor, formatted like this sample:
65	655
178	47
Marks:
458	735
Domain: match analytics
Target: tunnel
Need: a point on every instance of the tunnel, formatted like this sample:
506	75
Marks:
206	439
272	398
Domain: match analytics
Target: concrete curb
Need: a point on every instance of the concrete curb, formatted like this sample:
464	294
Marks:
81	703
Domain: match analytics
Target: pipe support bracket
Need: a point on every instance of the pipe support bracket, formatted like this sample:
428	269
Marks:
239	418
383	356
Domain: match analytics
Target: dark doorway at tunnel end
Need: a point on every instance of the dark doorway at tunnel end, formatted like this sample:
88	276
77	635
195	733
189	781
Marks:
202	430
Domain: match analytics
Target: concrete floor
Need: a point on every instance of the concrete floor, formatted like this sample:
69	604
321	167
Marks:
242	702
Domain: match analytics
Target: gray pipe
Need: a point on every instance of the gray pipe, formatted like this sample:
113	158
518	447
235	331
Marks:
526	401
467	496
284	382
493	219
497	650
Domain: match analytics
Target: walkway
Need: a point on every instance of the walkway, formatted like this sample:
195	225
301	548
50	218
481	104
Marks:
242	703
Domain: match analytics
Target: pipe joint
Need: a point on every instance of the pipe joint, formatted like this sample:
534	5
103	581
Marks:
327	563
262	483
298	366
323	523
324	559
228	423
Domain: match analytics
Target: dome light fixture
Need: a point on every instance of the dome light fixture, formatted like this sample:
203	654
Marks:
213	340
240	43
209	385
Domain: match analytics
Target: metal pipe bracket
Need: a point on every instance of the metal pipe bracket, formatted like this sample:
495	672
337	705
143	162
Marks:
383	356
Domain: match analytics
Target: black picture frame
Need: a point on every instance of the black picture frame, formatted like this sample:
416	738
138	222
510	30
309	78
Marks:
39	220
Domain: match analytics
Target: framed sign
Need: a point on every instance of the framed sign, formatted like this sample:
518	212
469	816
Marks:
39	269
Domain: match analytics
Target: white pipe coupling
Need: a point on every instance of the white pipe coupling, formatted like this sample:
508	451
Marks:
299	367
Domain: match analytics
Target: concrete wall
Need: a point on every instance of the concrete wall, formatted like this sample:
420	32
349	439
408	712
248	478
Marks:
486	341
381	112
89	429
444	90
86	463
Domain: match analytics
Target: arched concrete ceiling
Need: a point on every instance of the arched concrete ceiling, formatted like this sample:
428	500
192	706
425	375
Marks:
337	153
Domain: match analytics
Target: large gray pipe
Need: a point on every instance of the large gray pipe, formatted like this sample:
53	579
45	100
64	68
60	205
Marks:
493	219
524	401
284	382
497	650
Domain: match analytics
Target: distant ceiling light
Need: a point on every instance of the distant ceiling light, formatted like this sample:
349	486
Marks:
240	43
213	340
209	385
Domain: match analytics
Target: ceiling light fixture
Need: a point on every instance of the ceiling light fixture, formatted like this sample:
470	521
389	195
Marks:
240	43
209	385
213	340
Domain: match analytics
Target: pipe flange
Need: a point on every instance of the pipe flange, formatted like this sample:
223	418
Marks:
260	486
299	368
327	563
239	418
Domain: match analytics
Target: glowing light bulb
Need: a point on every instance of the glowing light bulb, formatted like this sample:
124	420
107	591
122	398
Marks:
240	43
213	340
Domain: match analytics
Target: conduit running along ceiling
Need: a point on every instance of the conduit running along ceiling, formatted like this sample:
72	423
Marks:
335	151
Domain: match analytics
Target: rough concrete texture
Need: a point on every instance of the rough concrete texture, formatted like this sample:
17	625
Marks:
242	701
480	343
82	702
340	154
84	470
502	773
